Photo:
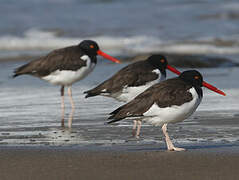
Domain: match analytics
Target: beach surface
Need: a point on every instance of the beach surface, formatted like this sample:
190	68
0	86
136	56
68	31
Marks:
70	163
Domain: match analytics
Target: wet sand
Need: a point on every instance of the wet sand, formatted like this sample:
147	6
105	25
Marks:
57	163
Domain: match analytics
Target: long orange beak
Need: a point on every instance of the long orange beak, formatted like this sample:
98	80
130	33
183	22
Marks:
205	84
101	53
173	70
211	87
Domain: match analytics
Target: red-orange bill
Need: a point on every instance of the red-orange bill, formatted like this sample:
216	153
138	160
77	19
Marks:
174	70
211	87
205	84
101	53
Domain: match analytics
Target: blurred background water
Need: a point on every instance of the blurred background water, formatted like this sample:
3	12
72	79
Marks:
30	108
121	27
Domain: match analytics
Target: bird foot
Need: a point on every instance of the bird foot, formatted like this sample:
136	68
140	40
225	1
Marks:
137	136
134	134
176	149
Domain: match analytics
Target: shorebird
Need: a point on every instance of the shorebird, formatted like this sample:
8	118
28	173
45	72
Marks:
132	80
170	101
64	67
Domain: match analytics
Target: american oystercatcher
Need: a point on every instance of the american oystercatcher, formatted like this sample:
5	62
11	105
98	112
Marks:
64	67
132	80
170	101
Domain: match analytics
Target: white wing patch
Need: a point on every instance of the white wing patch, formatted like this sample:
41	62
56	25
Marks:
68	77
159	116
129	93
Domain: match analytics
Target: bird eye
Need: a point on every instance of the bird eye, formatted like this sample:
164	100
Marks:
91	46
162	60
196	77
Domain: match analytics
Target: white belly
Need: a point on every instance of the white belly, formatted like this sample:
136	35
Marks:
68	77
129	93
159	116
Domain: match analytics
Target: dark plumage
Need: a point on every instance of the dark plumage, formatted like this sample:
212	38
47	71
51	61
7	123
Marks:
165	94
134	75
131	76
132	80
65	66
68	58
170	101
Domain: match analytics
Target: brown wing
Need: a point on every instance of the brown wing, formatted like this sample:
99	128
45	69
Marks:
68	58
165	94
135	74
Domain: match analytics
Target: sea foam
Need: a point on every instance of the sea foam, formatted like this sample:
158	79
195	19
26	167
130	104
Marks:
39	40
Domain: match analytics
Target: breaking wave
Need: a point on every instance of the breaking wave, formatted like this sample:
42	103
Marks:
38	40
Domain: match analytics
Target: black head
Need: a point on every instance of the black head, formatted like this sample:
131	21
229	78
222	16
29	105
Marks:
192	77
89	47
158	61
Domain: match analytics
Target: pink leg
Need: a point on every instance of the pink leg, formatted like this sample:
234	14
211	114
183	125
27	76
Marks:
169	143
139	123
72	107
134	128
62	106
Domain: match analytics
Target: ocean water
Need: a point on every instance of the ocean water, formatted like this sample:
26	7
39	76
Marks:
33	27
30	108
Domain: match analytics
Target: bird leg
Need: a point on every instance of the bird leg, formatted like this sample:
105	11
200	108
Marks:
62	106
72	107
137	124
134	128
138	128
169	143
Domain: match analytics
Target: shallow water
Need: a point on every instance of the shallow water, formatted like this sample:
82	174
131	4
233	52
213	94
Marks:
30	113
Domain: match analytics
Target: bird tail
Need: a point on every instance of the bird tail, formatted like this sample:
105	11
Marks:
113	121
115	112
16	73
99	90
91	93
19	71
114	116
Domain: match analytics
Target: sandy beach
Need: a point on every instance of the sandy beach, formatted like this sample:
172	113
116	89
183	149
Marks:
56	163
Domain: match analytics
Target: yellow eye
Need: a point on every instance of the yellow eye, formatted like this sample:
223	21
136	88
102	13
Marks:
196	77
91	46
162	60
